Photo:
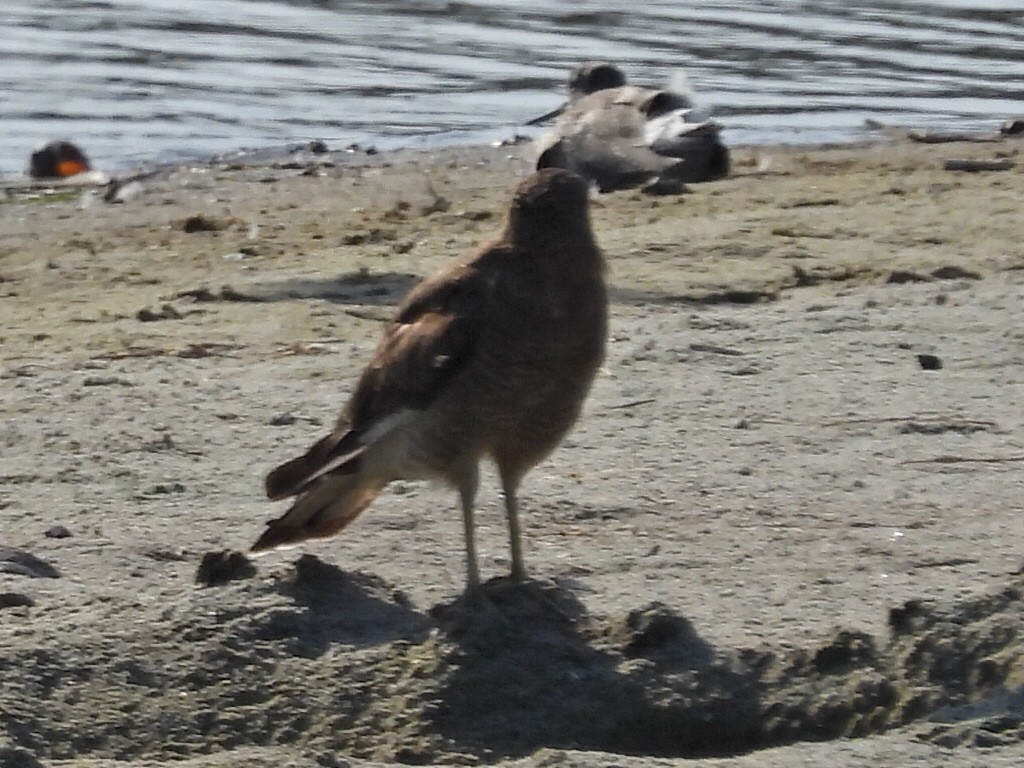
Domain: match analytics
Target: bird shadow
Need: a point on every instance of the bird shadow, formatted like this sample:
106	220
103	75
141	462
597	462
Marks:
359	287
330	606
386	289
724	295
532	669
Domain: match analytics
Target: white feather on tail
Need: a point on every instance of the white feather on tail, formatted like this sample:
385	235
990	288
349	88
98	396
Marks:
323	509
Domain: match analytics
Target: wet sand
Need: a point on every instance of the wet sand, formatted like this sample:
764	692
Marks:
779	536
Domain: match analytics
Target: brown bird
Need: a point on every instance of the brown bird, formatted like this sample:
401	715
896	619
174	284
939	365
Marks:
492	357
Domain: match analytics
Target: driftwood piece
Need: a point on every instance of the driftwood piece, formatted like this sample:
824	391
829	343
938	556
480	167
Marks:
1010	128
973	166
965	460
946	137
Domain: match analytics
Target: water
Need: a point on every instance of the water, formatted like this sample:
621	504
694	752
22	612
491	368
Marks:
152	80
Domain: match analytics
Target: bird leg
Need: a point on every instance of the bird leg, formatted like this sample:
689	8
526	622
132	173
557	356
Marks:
467	494
509	484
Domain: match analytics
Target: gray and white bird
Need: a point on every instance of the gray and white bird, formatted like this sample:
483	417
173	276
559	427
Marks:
490	358
622	136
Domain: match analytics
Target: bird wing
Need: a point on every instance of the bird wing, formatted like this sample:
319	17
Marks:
608	147
431	338
337	451
429	341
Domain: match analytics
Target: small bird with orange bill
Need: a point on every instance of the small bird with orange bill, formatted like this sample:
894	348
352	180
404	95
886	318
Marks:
58	160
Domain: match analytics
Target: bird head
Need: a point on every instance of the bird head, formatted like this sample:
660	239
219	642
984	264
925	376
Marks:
585	79
550	203
593	76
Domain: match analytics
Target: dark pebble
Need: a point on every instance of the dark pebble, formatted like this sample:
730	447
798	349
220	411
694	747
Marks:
17	757
22	563
222	567
200	224
15	600
167	312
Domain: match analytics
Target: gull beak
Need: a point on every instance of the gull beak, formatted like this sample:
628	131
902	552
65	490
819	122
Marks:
547	115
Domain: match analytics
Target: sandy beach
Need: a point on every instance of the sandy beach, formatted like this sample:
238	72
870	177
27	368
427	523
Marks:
785	532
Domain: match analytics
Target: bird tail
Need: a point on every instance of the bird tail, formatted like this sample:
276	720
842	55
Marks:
327	505
338	453
329	487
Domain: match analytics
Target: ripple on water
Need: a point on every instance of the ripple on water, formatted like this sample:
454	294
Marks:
149	80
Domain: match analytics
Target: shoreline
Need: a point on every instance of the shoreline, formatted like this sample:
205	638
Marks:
428	143
872	132
393	207
771	520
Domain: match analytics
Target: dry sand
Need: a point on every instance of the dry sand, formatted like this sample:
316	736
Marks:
774	539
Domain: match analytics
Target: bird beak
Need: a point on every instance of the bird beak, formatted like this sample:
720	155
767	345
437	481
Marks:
547	115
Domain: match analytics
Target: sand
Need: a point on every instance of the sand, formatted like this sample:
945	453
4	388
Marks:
785	532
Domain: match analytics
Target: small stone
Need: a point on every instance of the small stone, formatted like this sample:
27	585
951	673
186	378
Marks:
986	740
161	489
15	600
166	312
17	757
902	276
846	648
57	532
283	419
656	628
224	566
106	381
929	362
22	563
903	618
200	223
955	273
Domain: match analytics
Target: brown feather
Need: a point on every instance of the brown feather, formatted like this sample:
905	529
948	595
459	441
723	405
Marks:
416	357
329	505
335	449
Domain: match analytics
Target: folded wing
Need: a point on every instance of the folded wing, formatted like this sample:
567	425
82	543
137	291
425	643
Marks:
429	341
